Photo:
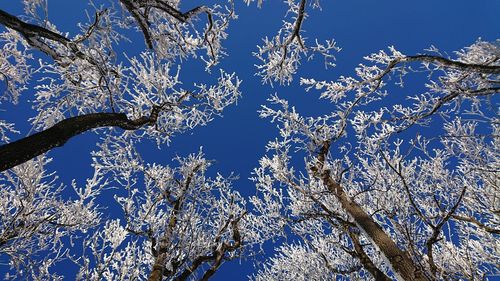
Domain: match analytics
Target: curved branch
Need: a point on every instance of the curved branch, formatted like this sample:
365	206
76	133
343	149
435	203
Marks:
30	30
178	15
141	20
376	81
481	68
33	34
91	28
20	151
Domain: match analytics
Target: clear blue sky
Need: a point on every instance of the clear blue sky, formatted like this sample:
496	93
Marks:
237	140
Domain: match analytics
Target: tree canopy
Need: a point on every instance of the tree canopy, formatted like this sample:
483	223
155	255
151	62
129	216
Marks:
391	173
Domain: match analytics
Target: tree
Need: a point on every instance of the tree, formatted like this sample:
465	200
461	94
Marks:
87	79
385	186
375	196
178	223
85	84
35	219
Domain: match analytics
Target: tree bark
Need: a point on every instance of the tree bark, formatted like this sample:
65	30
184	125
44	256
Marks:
20	151
33	33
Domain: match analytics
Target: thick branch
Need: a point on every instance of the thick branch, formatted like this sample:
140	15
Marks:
298	25
481	68
479	224
295	34
30	30
34	35
178	15
20	151
141	20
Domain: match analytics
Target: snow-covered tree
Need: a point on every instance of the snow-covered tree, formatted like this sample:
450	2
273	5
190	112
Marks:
177	223
86	85
36	221
390	187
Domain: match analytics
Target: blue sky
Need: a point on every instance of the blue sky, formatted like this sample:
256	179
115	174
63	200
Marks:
237	140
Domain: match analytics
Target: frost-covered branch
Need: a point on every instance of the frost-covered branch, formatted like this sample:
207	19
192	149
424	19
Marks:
36	221
20	151
86	79
280	56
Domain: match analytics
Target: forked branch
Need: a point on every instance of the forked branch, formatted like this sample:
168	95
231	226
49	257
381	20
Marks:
139	10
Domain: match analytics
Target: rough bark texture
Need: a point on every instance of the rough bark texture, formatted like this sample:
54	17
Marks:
20	151
36	36
400	260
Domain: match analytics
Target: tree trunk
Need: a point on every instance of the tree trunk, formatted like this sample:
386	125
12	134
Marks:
400	260
364	259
